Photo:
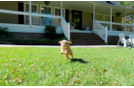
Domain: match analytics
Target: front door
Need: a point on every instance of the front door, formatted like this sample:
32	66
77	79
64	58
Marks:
77	18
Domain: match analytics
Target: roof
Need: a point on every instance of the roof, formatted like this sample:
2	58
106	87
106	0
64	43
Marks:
111	2
102	8
115	3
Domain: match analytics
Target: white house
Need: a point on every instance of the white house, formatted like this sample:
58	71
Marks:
29	18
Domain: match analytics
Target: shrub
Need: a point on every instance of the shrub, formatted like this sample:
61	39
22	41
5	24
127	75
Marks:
50	32
4	33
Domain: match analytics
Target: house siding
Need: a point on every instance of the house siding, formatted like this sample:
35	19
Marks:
86	20
117	20
8	18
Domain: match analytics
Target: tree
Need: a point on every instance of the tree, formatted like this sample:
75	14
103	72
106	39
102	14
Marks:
128	4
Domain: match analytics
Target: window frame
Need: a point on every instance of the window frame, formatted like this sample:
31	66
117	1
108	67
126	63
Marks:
102	17
45	6
60	9
24	7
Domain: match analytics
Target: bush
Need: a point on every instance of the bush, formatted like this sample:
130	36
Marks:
4	33
50	32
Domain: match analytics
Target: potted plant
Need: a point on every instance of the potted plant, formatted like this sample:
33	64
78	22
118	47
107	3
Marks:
46	2
73	24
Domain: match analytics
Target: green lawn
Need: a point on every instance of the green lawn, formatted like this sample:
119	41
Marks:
46	67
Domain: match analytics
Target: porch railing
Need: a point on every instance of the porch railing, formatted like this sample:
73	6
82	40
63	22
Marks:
66	28
100	30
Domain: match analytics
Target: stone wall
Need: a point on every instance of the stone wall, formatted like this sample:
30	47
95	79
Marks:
19	35
16	35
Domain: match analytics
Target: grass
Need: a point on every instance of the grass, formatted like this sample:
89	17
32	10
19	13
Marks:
30	66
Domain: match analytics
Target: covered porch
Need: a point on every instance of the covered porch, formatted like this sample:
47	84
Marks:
92	17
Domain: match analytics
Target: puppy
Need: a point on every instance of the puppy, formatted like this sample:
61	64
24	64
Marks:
65	48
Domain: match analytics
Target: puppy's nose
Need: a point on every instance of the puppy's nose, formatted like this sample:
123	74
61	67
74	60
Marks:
63	45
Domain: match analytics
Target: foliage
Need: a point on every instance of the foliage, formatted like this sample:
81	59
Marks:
50	32
128	4
4	33
73	24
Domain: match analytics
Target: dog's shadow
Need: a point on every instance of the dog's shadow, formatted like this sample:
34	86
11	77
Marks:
78	60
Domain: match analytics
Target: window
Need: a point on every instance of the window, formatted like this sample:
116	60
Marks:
107	18
58	12
98	17
46	10
34	10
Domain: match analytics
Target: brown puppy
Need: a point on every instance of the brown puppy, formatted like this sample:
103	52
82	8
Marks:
65	48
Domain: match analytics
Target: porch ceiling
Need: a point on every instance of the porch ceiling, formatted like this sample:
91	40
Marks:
77	5
103	7
100	7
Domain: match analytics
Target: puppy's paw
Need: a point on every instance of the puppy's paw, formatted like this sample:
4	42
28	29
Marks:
61	52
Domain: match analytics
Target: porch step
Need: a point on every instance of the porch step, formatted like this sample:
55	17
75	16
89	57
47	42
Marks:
86	39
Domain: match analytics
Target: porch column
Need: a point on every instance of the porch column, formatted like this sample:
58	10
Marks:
61	9
30	16
93	16
125	23
111	19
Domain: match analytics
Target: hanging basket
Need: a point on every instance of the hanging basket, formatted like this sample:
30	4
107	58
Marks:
46	2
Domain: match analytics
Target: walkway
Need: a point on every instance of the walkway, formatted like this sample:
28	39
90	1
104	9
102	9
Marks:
74	46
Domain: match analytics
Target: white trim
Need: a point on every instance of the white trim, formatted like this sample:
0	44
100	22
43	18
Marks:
26	13
13	25
80	31
13	12
68	31
26	29
116	33
106	36
24	7
43	15
111	19
125	23
30	16
61	13
93	17
106	22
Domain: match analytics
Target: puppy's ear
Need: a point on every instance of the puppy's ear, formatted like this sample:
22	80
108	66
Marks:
69	42
59	42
